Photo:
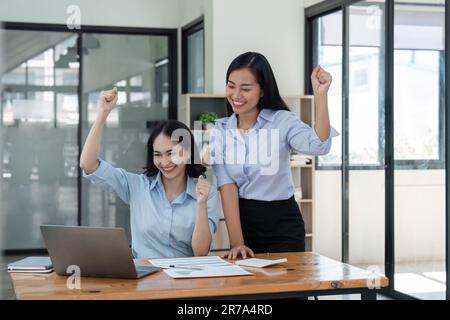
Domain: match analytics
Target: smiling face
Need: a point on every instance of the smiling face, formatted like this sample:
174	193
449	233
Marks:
243	91
169	157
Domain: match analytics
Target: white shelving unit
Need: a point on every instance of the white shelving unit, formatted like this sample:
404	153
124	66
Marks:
304	174
193	105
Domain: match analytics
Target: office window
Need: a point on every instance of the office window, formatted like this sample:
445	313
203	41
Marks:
40	69
417	99
42	124
67	109
327	51
39	120
161	82
394	210
366	80
15	76
360	78
366	201
137	80
418	83
363	204
193	57
66	62
141	75
419	195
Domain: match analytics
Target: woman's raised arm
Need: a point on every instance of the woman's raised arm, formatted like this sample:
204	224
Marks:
91	149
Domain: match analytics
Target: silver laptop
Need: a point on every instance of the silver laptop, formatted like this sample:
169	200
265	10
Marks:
98	252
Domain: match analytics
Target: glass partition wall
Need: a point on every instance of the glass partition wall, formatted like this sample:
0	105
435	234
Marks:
137	66
389	99
39	120
50	83
328	53
419	148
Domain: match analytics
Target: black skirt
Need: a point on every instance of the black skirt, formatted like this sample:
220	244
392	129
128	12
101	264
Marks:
272	226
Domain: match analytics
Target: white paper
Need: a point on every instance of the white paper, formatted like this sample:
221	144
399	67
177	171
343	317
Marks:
199	262
269	272
228	271
259	263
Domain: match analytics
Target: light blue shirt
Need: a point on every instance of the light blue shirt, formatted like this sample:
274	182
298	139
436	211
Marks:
158	228
259	163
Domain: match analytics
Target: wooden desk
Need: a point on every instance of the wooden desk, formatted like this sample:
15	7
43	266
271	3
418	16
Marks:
305	274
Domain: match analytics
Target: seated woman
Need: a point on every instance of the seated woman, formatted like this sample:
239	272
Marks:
173	209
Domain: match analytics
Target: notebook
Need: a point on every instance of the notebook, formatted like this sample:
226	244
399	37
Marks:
259	263
31	264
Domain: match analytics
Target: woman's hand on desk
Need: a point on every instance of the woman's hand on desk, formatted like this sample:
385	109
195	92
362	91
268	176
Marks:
240	250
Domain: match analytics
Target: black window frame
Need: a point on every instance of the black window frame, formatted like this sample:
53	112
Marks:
192	27
330	6
323	9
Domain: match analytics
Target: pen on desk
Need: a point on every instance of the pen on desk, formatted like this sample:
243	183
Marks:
183	267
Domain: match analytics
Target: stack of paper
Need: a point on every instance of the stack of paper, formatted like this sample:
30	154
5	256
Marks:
259	263
198	267
229	271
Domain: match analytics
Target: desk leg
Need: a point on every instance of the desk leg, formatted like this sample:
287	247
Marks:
369	295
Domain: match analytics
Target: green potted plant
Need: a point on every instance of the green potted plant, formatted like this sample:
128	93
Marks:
208	119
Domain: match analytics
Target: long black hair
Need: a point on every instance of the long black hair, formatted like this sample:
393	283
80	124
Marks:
260	67
175	129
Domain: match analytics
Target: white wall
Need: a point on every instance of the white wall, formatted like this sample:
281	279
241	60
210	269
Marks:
309	3
231	28
272	28
132	13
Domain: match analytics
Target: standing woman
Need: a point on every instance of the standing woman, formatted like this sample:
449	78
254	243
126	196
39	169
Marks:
173	209
259	205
